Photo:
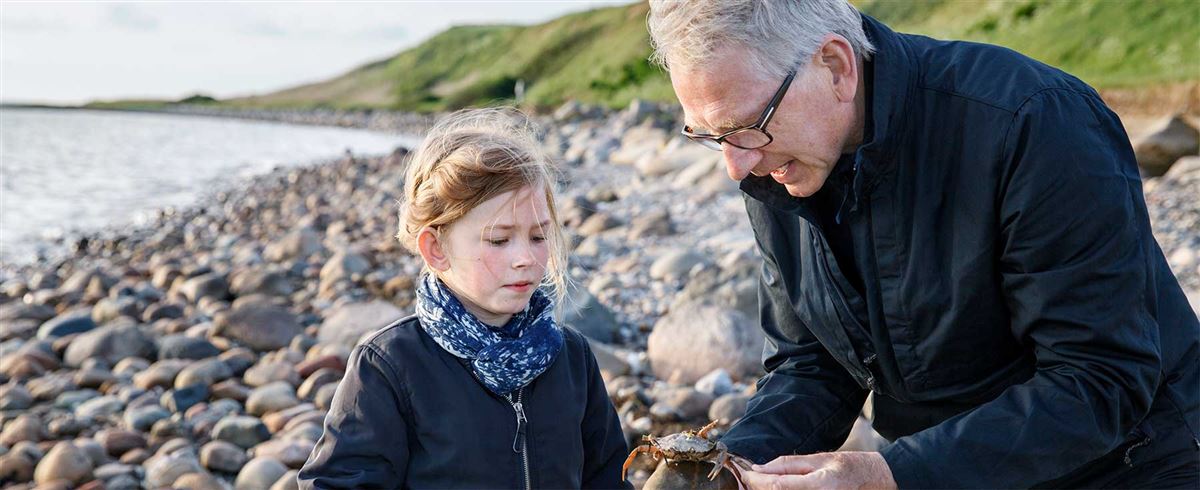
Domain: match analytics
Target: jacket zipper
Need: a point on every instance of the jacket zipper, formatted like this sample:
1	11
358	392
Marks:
519	442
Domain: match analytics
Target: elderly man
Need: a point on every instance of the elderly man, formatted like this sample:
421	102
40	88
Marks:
953	227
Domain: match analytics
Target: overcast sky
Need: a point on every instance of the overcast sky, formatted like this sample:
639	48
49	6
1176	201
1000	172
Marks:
73	52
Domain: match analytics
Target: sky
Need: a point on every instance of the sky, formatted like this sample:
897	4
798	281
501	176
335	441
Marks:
75	52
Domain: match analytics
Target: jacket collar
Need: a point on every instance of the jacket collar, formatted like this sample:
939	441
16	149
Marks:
892	83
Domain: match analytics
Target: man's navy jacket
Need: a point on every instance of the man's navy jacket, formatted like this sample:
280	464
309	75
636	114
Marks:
1016	320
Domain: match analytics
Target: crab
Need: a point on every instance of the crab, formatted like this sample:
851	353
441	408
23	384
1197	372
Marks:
688	446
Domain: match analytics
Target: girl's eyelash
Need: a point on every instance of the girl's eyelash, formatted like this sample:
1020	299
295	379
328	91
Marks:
500	241
539	238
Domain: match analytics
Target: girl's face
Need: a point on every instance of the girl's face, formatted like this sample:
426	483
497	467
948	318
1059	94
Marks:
494	257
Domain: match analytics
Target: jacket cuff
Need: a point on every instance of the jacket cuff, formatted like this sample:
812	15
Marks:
908	470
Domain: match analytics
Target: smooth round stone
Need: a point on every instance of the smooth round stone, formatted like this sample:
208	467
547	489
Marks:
113	470
142	418
276	421
239	359
117	442
167	429
67	426
135	456
164	469
93	378
260	325
161	373
130	366
292	452
93	450
181	346
173	445
109	309
111	343
272	397
181	399
223	456
265	373
15	396
305	432
200	481
259	473
160	311
231	389
316	380
65	461
16	467
123	482
310	366
206	371
287	482
243	431
729	408
71	322
99	407
324	397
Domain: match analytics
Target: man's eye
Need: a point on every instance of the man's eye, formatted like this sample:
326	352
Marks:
498	241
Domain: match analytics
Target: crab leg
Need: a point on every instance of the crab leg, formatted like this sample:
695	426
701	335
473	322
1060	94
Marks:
633	455
704	430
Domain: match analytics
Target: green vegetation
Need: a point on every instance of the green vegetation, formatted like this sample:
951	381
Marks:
600	56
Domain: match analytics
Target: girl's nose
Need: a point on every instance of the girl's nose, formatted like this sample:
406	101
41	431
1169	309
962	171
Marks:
524	256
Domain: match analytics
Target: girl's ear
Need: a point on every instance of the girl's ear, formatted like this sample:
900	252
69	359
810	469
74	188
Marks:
433	251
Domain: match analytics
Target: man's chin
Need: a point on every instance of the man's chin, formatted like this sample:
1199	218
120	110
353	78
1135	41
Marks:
800	190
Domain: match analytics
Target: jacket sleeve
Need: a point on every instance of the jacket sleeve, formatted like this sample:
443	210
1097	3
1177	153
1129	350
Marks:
1075	261
806	402
365	442
603	439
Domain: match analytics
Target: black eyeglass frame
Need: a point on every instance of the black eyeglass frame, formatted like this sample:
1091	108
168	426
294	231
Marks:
760	126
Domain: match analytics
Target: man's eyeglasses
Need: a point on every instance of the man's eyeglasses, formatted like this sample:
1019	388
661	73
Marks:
747	137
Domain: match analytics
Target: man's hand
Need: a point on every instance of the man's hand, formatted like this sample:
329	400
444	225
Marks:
855	470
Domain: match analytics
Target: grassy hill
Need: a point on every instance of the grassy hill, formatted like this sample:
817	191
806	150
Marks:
600	56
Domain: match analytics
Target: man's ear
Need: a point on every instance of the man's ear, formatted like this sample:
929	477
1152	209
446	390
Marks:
837	56
433	250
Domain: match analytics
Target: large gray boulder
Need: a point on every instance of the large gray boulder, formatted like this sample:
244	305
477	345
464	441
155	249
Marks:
350	322
696	338
1174	139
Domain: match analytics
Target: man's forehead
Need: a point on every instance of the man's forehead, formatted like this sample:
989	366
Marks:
717	99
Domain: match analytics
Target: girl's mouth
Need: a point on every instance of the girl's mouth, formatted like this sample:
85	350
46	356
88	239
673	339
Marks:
519	287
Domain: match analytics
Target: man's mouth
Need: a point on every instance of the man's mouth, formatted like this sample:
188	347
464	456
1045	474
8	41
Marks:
781	172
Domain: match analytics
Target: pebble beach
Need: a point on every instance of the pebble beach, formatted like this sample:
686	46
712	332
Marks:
201	349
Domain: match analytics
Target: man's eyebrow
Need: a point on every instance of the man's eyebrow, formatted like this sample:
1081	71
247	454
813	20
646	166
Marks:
725	124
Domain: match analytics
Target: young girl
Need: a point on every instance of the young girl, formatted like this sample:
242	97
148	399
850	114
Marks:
480	388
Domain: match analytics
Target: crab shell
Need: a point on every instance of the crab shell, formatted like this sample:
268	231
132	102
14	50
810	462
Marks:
685	446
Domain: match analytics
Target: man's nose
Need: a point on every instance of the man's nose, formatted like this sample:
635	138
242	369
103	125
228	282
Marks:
739	162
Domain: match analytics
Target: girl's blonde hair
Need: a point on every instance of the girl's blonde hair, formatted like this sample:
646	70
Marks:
470	157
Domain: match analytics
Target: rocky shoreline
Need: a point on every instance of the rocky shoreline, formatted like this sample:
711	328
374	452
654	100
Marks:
202	350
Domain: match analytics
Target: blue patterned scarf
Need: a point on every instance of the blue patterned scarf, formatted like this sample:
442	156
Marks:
503	358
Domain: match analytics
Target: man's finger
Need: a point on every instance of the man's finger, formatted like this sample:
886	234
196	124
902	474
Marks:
790	465
765	481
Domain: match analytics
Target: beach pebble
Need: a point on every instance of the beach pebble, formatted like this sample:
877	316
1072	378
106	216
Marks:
259	473
181	346
111	344
243	431
260	325
223	456
271	397
65	461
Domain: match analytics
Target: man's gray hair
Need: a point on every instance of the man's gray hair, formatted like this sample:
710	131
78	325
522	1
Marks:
777	35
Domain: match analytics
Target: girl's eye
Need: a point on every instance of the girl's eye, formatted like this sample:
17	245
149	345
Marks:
539	239
498	241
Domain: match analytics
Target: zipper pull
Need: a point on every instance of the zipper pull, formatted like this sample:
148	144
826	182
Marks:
518	441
